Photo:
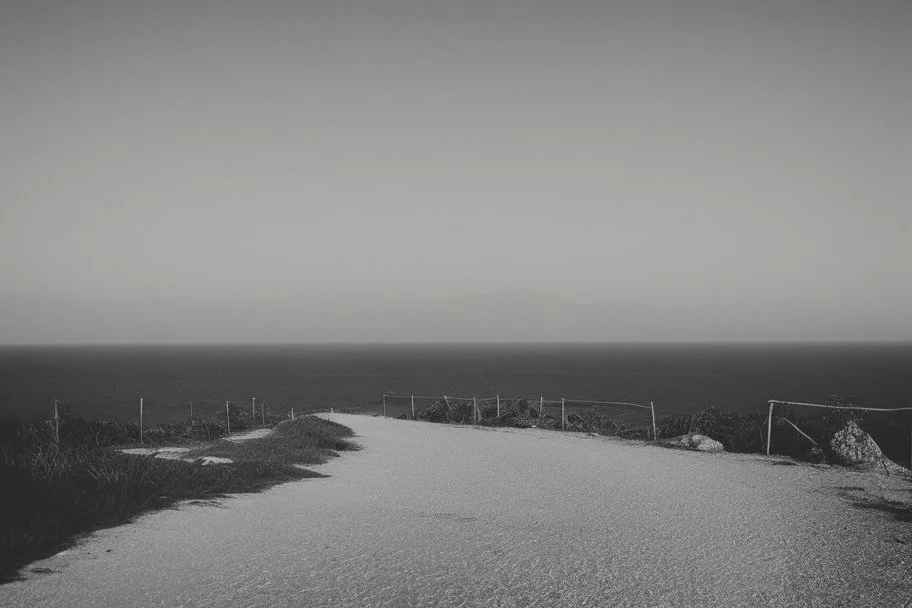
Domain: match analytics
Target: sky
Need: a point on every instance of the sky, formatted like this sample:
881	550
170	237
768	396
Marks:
462	170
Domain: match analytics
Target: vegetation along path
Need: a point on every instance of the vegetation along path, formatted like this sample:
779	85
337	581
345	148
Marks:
439	515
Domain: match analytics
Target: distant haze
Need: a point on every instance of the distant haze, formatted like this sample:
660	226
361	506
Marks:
421	171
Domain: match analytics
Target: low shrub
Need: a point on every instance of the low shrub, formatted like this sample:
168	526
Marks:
738	432
488	410
436	412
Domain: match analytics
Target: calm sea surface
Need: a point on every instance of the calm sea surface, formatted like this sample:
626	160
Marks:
108	380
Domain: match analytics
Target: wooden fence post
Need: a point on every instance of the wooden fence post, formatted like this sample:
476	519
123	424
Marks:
384	405
541	407
769	429
56	422
140	419
413	407
227	418
475	416
563	418
263	412
655	435
498	406
252	409
191	411
292	413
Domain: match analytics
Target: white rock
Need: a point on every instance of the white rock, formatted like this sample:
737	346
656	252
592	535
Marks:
701	443
214	460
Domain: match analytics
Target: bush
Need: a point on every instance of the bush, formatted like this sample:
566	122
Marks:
511	410
737	432
460	412
488	410
436	412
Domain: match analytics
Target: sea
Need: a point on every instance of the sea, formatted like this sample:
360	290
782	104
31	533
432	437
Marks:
109	381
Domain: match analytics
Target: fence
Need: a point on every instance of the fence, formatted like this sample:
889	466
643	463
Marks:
209	418
478	411
776	402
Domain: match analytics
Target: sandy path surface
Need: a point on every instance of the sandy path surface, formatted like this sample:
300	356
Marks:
436	515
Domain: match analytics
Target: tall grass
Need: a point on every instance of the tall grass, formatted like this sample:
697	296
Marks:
57	490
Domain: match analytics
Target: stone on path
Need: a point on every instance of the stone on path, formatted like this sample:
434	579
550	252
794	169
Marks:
694	441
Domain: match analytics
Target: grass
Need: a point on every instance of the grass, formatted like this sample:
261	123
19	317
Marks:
56	491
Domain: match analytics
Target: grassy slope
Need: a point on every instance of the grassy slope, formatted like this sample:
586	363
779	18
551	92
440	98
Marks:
52	493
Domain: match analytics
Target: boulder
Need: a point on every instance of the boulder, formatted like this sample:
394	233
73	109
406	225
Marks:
693	441
709	445
852	446
207	460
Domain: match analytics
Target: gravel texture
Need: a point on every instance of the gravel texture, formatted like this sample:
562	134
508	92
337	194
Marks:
439	515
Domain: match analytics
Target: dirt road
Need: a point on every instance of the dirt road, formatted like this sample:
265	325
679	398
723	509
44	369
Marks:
437	515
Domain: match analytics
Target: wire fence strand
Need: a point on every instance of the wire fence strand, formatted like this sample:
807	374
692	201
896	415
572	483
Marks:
841	407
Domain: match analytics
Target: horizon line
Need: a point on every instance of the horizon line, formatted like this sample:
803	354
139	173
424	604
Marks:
752	341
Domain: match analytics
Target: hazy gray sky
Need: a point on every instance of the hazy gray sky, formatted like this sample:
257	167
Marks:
220	171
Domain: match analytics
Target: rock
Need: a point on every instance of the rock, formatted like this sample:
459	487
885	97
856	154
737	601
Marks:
709	445
852	446
205	460
701	443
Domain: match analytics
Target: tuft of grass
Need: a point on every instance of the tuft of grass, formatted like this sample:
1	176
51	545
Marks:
57	491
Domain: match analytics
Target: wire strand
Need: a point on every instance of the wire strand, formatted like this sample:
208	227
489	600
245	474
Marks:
841	407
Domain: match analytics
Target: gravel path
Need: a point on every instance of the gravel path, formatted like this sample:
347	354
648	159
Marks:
437	515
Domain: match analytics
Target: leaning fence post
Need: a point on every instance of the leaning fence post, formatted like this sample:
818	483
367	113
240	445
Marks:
140	419
562	414
655	435
413	407
56	422
769	428
227	418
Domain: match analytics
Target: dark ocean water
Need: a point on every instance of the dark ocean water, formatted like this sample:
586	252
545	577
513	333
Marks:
108	380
